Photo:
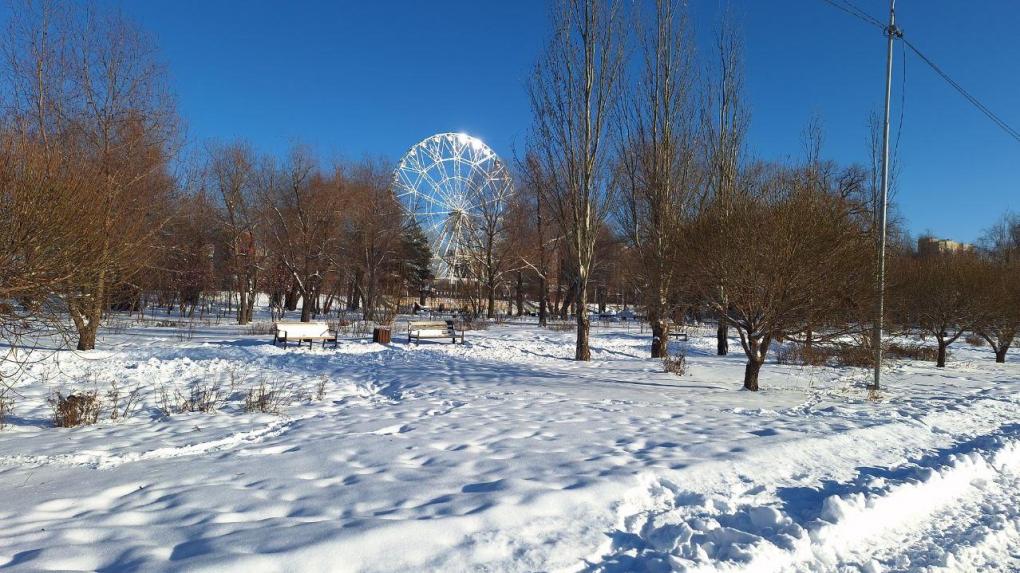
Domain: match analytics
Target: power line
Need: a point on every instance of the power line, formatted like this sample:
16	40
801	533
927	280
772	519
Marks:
849	8
973	100
903	99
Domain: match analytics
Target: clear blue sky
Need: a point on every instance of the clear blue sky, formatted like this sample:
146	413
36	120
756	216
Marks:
355	77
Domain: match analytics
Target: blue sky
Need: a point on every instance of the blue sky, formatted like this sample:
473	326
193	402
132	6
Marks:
354	78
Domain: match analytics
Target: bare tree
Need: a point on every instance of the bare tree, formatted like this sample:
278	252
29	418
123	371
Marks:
231	173
573	92
726	120
997	304
88	85
374	238
304	223
934	296
539	237
998	286
785	254
658	155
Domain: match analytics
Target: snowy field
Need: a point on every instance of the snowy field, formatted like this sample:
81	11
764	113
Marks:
504	455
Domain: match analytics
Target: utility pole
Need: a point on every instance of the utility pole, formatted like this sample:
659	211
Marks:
892	32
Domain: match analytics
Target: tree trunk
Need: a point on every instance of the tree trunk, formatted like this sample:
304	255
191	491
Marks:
290	301
722	339
87	336
751	375
543	303
1000	355
307	304
242	307
490	308
660	338
583	350
941	362
421	297
520	293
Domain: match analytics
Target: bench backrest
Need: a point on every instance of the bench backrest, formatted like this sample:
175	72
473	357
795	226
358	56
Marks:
427	325
295	330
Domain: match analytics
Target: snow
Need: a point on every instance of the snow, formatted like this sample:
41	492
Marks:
502	454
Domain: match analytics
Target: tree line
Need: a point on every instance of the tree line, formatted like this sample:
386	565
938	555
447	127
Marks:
635	188
636	131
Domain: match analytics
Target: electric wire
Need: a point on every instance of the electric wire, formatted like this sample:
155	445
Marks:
967	95
849	8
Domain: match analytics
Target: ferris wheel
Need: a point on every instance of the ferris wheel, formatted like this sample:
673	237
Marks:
450	183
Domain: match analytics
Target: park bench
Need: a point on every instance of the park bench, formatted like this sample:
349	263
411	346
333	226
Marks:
678	331
433	329
303	332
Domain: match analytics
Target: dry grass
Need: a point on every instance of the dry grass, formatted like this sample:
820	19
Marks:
75	409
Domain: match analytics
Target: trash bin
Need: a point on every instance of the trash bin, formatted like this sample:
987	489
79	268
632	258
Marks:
381	335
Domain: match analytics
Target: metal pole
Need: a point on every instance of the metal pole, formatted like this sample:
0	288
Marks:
876	338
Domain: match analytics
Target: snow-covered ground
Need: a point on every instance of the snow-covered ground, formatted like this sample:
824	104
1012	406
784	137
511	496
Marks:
504	455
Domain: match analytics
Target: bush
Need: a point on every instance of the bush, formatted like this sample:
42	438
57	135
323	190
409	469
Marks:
320	389
912	352
675	363
75	409
847	354
562	326
800	354
260	328
974	340
266	398
856	355
113	397
200	398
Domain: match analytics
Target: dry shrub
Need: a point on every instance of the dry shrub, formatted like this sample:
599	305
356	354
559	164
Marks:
912	352
320	389
266	398
803	355
675	363
199	398
260	328
562	326
469	324
75	409
858	355
974	340
855	355
125	409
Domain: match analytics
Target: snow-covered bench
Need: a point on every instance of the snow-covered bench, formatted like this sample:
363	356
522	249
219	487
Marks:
418	330
303	332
